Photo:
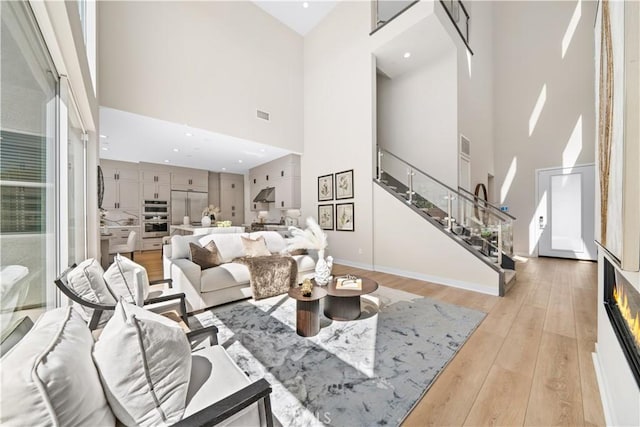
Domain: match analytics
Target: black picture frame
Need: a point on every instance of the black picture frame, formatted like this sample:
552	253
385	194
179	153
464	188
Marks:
344	185
325	188
345	217
326	218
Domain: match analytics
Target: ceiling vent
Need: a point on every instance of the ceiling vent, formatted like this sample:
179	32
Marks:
465	146
262	115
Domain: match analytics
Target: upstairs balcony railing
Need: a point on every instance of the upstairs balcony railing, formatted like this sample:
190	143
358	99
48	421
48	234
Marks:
384	11
460	18
482	226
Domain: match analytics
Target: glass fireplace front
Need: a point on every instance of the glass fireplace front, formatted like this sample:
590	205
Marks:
622	303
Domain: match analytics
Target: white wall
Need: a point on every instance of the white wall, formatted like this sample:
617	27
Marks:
338	120
417	117
527	55
475	91
207	64
406	244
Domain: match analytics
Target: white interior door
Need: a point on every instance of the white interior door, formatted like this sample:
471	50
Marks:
567	223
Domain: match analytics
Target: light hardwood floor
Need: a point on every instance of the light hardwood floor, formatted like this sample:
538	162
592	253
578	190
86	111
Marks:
528	363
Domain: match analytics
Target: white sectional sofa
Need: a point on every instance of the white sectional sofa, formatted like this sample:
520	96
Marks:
228	281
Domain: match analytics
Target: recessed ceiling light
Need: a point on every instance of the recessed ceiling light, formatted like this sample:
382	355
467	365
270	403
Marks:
105	149
188	134
176	150
305	4
224	169
103	136
262	150
407	54
166	161
239	161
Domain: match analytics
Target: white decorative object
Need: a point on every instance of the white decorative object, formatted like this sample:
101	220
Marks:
206	221
144	360
313	238
186	220
323	270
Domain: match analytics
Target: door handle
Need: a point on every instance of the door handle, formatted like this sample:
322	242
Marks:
541	222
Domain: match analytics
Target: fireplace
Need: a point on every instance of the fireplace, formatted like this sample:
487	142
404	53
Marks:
622	303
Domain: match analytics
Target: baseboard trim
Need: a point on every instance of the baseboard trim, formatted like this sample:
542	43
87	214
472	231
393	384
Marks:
604	391
440	280
354	264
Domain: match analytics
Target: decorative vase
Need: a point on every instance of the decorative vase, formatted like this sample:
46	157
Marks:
323	270
206	221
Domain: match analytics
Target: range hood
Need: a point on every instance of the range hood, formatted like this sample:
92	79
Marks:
266	195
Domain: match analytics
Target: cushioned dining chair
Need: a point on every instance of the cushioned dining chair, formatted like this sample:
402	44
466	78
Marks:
127	248
159	296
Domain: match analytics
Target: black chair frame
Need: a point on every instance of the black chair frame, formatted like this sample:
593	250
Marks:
232	404
63	284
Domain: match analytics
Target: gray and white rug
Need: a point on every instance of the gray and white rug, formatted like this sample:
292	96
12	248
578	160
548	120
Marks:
369	371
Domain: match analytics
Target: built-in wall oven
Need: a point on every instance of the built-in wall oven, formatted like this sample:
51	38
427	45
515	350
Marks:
155	218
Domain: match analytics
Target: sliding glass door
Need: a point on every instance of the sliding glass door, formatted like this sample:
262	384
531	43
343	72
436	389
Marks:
28	159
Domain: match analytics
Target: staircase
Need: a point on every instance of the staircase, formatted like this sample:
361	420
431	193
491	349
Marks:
481	228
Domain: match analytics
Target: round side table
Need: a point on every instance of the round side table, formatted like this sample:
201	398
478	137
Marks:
344	304
307	310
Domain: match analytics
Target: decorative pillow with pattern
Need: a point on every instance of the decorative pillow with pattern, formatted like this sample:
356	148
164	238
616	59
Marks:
254	248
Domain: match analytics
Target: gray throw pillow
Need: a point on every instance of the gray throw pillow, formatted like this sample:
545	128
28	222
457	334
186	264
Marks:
205	257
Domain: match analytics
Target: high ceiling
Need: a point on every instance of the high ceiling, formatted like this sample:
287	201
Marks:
134	138
295	15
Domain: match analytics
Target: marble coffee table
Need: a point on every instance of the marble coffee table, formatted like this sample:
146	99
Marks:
342	304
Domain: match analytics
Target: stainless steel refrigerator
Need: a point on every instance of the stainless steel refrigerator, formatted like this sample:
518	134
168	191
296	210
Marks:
188	203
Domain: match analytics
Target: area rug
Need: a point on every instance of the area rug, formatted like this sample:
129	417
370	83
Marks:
370	371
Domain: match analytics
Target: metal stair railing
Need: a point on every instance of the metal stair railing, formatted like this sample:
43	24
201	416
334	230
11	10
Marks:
482	226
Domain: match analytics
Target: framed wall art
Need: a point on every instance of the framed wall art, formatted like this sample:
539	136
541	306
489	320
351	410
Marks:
325	188
344	185
325	217
344	217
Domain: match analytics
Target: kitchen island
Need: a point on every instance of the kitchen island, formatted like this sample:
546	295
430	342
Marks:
198	230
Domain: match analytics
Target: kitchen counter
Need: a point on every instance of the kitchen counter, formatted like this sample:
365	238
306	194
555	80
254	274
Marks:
198	230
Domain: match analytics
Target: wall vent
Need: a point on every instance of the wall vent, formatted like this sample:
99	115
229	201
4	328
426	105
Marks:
262	115
465	146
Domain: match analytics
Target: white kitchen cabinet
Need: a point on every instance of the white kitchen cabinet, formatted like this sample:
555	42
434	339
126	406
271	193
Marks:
288	193
257	182
121	187
194	180
231	198
152	244
158	177
156	185
284	175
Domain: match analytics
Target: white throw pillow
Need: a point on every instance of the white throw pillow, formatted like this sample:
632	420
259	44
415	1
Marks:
144	361
48	377
229	245
275	242
121	279
180	246
255	248
86	280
